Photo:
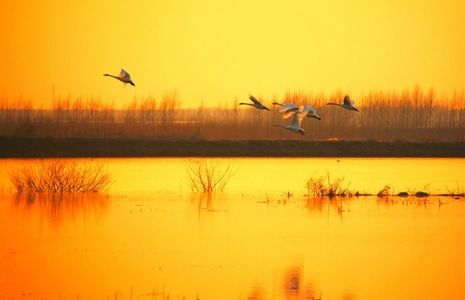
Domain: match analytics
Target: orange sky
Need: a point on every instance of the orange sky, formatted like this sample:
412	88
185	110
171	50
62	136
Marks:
215	52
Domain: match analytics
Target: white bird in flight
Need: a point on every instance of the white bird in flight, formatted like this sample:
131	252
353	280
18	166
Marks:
296	121
255	103
348	104
289	108
311	112
123	77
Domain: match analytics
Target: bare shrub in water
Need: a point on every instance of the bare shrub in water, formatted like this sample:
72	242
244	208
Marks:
61	176
325	186
209	176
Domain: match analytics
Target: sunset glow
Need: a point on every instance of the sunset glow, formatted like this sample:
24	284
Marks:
214	53
175	149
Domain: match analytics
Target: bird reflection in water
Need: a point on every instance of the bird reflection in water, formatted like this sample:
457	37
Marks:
293	286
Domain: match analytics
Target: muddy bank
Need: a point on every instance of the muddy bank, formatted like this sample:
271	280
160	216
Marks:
13	147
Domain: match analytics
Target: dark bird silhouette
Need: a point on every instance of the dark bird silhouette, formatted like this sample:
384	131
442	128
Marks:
123	77
348	104
255	103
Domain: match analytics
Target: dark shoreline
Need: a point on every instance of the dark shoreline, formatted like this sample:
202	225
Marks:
16	147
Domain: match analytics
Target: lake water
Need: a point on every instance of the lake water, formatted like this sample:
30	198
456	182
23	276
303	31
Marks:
150	237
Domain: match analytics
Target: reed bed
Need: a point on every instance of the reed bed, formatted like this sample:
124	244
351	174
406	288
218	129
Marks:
409	115
326	186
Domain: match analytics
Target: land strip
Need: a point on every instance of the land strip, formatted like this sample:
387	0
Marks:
16	147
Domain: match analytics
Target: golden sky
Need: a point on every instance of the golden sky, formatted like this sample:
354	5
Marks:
216	52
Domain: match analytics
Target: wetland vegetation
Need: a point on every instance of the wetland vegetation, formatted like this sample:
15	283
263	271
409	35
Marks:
410	123
153	238
61	176
411	115
209	176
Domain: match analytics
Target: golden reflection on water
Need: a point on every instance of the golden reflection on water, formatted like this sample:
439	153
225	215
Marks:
37	233
57	208
229	246
155	239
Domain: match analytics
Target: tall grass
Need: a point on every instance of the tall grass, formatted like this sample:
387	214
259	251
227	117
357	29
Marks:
61	176
409	115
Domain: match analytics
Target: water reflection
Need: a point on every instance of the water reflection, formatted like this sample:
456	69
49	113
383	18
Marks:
150	238
294	287
209	202
316	203
57	208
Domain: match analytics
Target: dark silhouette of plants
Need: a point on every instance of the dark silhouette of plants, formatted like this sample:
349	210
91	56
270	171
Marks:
412	114
420	194
209	176
384	192
325	186
455	192
61	175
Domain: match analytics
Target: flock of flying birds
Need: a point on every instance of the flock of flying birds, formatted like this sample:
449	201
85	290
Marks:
288	109
298	112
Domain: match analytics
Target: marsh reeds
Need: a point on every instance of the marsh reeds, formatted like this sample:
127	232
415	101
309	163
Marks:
209	176
326	186
59	175
414	115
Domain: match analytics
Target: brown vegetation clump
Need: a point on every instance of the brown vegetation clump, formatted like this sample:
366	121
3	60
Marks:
61	176
421	194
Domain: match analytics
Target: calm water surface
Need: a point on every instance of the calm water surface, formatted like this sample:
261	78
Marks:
150	237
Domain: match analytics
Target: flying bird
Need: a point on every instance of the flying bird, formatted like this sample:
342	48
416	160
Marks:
311	112
289	108
348	104
296	121
123	77
255	103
